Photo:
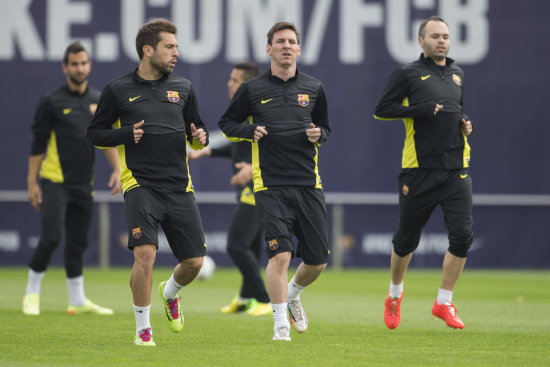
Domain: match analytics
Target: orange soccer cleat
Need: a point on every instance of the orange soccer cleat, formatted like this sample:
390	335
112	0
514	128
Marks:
448	314
392	311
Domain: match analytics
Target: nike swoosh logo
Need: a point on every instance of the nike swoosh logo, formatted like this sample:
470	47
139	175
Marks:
66	111
132	99
464	176
424	77
266	100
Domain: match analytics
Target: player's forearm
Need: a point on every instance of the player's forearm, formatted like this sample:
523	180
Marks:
112	157
106	137
34	166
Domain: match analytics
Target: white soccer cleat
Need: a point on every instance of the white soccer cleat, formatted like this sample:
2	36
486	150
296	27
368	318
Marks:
282	333
297	315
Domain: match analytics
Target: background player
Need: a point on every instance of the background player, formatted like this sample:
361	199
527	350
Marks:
244	241
63	159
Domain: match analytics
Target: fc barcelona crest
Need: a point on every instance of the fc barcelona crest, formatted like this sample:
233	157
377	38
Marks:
273	244
136	233
303	99
172	96
93	108
457	80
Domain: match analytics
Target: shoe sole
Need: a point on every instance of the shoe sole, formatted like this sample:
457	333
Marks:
449	326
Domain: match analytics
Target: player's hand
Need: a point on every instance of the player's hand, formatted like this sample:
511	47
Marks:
198	134
438	107
243	176
196	154
467	127
313	133
259	133
138	132
114	183
35	195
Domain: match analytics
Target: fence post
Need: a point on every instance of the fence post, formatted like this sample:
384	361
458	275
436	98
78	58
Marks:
337	235
104	235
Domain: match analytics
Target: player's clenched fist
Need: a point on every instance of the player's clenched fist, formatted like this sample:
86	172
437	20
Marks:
313	133
259	133
138	131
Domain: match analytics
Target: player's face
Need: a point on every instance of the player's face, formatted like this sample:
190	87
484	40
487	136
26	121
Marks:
235	80
165	56
77	68
435	42
284	48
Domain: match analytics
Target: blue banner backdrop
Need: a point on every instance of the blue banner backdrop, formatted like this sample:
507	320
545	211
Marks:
352	46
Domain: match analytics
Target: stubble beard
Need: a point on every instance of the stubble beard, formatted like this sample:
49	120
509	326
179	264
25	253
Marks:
161	68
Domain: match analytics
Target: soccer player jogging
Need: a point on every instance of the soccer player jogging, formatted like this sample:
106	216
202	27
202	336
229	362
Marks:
154	114
244	239
63	159
288	120
427	95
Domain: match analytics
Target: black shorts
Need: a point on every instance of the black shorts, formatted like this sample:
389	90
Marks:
294	210
421	190
176	212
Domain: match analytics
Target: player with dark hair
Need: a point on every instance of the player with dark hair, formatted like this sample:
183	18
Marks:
155	113
288	120
244	239
63	159
427	95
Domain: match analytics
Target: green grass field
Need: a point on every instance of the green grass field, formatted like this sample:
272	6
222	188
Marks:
506	314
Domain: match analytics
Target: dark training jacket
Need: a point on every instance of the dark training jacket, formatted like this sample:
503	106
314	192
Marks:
284	157
432	141
168	106
59	130
238	152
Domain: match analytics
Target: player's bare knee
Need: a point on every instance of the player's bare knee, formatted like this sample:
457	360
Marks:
145	255
192	264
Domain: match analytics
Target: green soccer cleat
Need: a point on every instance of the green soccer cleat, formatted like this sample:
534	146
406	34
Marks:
237	306
31	304
260	309
172	307
89	307
144	338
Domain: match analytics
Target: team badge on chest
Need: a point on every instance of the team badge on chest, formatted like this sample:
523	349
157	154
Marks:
172	96
303	99
457	80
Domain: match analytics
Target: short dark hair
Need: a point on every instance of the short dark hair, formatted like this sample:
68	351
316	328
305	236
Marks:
279	27
149	34
73	48
250	70
434	18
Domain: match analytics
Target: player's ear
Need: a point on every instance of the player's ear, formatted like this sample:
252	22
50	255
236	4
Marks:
148	50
